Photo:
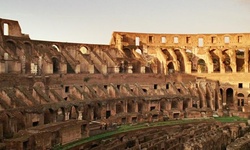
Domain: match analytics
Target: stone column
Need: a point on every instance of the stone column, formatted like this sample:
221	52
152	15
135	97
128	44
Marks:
66	116
39	65
233	60
6	58
23	61
246	53
79	115
130	67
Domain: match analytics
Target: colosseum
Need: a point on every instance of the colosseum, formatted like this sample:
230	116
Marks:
141	91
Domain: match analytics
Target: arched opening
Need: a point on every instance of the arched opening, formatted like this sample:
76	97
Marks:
56	65
12	46
169	57
73	113
138	51
170	67
130	107
185	104
123	67
162	105
240	98
202	67
248	99
174	104
240	60
84	50
28	48
6	29
229	96
119	108
48	116
216	61
128	52
97	112
180	60
55	47
60	114
226	61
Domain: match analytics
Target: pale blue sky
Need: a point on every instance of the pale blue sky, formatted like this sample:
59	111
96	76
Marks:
93	21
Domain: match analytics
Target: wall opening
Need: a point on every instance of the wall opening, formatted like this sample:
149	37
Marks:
188	40
108	113
163	39
66	90
229	96
56	66
171	67
200	42
137	41
152	108
167	86
6	29
176	40
35	123
202	65
240	60
150	39
84	50
240	85
239	39
226	39
155	86
213	39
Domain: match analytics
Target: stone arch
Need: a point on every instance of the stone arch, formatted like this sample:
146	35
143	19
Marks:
248	98
12	46
240	60
202	67
166	52
226	61
180	59
230	96
84	50
170	67
128	52
216	61
56	65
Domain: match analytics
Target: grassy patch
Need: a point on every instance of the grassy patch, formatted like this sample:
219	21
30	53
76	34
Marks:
231	119
125	128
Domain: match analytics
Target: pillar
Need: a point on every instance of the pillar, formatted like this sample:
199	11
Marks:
246	53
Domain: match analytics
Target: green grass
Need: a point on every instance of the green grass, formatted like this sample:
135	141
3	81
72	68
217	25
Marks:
126	128
231	119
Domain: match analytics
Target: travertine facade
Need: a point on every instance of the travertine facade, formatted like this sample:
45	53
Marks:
67	91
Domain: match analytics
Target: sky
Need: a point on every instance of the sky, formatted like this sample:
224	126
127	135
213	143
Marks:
93	21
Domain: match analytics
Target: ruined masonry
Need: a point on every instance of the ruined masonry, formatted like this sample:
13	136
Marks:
53	93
